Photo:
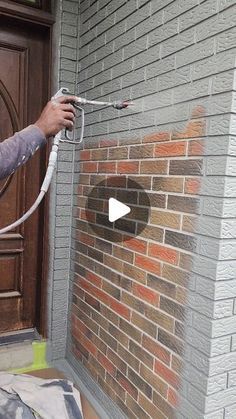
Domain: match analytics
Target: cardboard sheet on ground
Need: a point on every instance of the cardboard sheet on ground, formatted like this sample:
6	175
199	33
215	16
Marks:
27	397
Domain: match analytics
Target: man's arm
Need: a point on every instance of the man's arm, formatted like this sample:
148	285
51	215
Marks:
16	150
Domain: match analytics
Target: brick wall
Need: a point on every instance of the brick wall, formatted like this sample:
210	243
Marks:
152	317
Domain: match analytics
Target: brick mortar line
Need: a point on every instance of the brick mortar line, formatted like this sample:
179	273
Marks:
130	339
139	299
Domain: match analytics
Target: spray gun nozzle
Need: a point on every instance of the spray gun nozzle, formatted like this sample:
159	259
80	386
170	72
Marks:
122	104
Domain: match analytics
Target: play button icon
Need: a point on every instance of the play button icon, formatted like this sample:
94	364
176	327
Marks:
117	210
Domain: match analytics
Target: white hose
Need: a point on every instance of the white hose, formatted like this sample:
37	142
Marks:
44	187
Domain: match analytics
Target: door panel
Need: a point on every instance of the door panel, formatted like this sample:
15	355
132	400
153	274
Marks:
24	70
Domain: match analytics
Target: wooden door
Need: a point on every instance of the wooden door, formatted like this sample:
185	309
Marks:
24	75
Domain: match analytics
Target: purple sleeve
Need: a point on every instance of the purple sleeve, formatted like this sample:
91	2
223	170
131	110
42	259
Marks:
16	150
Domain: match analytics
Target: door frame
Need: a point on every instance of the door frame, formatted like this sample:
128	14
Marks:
44	19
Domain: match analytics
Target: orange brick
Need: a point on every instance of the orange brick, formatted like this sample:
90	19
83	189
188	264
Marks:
135	244
146	294
84	155
171	149
148	264
89	167
168	375
128	167
156	137
107	167
163	253
192	186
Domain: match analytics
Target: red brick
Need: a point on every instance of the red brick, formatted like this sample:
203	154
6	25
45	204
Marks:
163	253
87	344
192	186
168	375
100	295
128	167
127	385
156	137
107	167
116	181
148	264
84	155
120	308
171	149
156	349
89	167
94	279
135	244
92	302
107	364
87	215
146	294
86	239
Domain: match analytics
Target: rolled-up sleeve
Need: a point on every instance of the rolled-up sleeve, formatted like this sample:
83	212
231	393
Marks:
17	149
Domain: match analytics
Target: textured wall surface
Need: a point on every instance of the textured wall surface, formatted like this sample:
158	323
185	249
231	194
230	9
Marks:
65	51
153	318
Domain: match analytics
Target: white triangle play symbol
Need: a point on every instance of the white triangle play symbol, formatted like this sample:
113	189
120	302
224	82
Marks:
117	210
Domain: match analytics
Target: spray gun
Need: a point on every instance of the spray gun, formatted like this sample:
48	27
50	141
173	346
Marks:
80	101
78	104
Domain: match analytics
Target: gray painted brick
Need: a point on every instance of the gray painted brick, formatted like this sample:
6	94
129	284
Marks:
178	42
224	326
198	14
177	8
232	378
196	397
216	24
214	64
221	399
223	363
230	411
223	82
215	415
147	26
223	309
67	29
69	18
195	52
220	345
165	33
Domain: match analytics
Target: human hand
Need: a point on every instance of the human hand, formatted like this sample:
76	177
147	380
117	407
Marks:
58	114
